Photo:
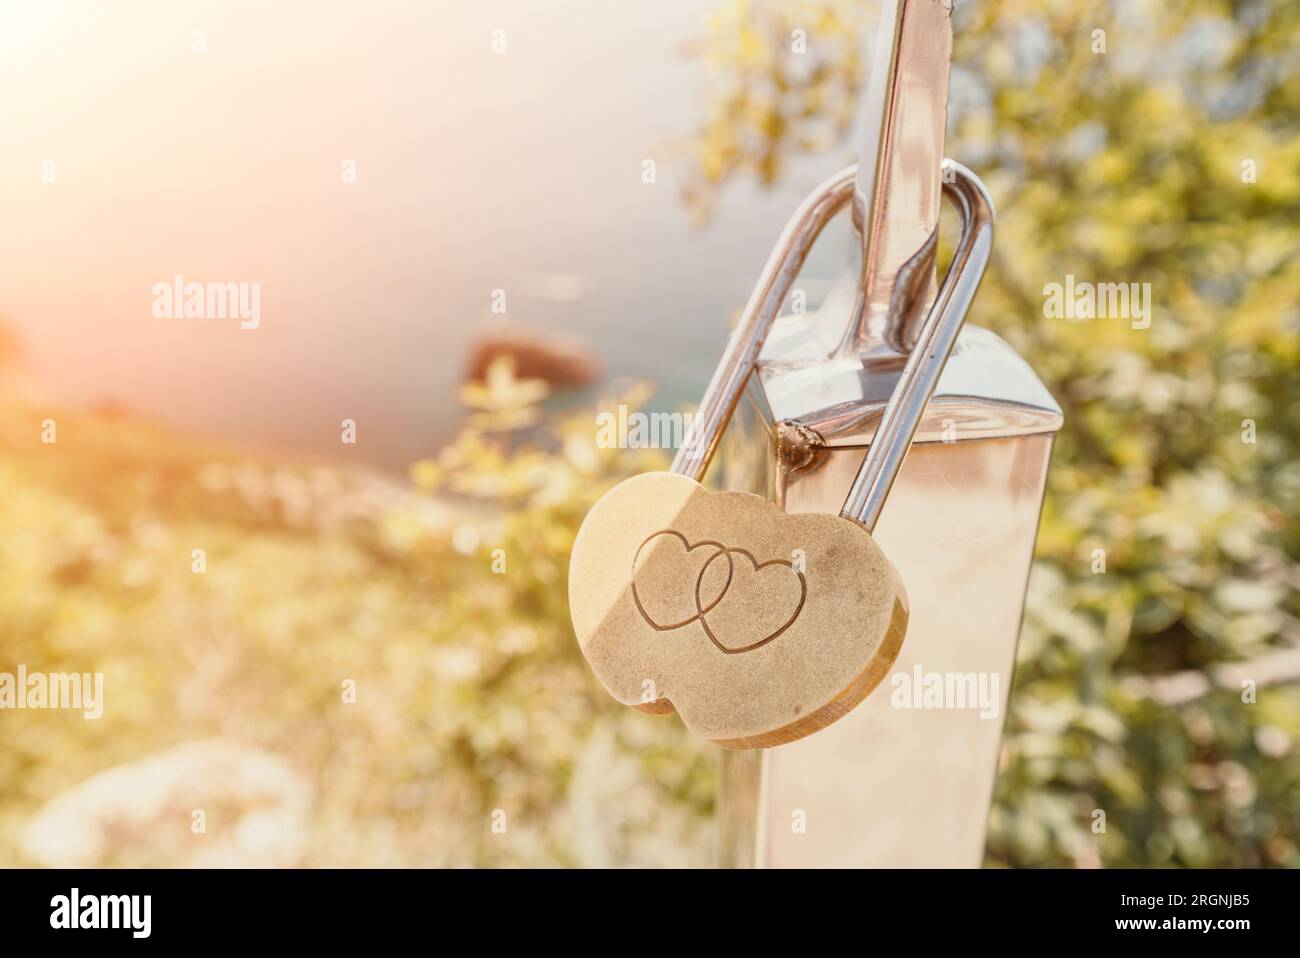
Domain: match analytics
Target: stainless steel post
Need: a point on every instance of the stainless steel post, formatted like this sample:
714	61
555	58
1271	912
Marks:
897	782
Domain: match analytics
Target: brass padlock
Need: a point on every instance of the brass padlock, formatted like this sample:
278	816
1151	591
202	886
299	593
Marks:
759	627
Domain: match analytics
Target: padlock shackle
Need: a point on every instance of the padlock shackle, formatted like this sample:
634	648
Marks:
938	334
746	341
921	372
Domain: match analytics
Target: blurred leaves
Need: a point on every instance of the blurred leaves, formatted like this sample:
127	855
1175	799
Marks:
502	401
767	101
471	696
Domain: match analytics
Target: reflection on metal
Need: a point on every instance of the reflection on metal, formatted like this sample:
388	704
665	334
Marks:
896	197
920	374
888	786
938	335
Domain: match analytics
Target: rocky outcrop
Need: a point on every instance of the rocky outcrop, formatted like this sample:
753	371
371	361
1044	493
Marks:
561	360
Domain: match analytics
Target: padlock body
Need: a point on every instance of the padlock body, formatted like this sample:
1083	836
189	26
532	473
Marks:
906	779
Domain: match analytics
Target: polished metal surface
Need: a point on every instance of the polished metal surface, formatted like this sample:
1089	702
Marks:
906	406
896	196
886	786
889	786
985	390
920	375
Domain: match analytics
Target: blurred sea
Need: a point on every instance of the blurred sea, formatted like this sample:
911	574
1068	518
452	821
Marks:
475	171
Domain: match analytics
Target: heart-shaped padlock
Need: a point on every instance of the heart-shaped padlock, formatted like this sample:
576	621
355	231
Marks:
757	626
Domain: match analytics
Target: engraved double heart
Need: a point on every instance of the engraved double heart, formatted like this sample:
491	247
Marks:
749	603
